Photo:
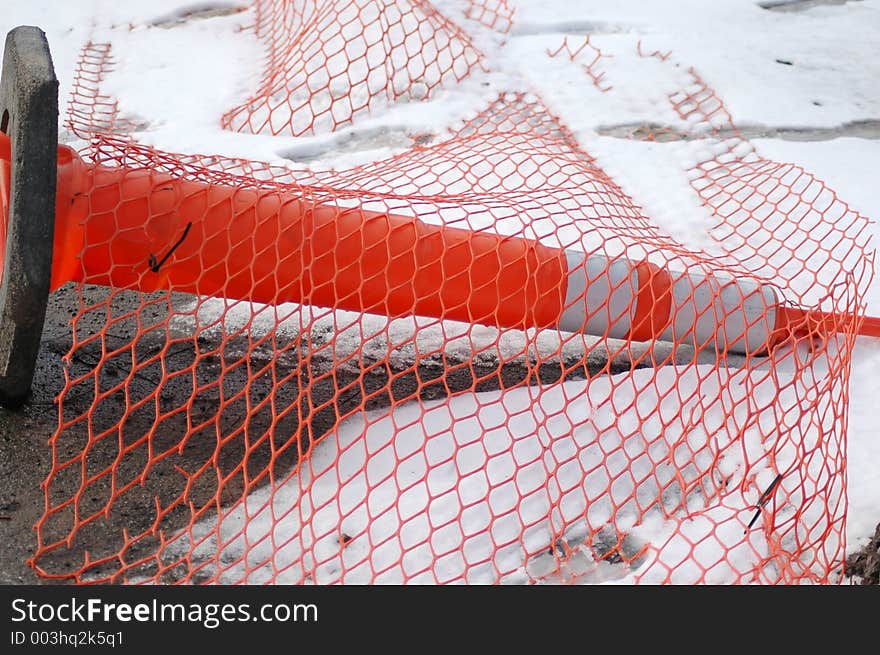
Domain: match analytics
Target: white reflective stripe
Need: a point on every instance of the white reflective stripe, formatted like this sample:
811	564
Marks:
600	298
736	316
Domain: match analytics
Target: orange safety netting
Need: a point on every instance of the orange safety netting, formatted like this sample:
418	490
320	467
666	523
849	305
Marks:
362	375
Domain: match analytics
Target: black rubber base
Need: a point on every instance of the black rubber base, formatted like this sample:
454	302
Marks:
29	115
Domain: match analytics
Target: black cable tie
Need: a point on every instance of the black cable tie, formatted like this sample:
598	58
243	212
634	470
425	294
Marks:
155	264
765	497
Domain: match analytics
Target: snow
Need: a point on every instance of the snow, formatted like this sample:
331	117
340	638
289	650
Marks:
477	488
175	77
735	44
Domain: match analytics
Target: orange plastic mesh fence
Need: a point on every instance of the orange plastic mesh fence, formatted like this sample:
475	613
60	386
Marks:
478	360
330	61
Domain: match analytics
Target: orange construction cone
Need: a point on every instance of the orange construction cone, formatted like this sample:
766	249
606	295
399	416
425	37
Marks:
139	229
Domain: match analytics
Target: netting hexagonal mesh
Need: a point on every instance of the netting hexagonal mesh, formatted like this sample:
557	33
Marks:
477	360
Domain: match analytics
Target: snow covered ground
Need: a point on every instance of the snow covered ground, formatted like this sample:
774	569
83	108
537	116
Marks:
474	489
801	83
